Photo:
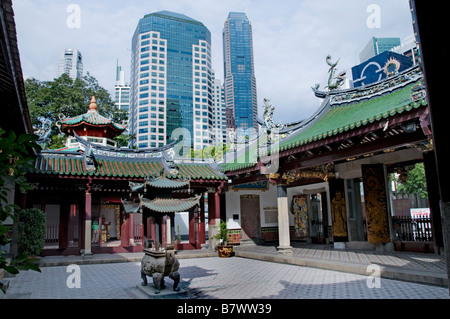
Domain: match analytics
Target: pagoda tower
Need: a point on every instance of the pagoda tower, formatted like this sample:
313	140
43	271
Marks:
90	126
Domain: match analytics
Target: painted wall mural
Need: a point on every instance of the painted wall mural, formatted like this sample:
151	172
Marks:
300	211
376	203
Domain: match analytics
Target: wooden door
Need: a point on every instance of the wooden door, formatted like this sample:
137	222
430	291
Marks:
250	216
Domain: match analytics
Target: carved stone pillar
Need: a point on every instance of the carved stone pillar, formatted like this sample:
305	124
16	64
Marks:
283	222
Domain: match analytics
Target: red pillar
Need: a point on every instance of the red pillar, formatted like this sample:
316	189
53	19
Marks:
87	222
131	228
124	233
192	227
213	208
201	224
164	231
152	229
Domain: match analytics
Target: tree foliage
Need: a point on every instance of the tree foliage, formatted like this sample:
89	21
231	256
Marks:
15	160
415	182
31	231
69	97
213	151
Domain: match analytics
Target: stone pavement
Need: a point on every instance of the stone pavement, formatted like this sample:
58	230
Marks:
217	278
413	267
256	272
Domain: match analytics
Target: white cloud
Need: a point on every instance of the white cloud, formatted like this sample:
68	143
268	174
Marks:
291	39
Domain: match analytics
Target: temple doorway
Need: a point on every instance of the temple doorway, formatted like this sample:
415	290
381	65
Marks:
250	218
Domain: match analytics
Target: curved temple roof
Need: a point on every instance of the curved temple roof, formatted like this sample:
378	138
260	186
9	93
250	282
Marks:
341	111
170	205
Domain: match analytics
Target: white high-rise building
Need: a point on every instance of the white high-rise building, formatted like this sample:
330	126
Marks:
219	116
71	63
171	81
122	90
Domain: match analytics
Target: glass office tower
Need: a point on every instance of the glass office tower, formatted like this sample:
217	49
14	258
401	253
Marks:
171	80
239	71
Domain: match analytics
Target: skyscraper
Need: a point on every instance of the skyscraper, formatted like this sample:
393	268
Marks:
219	116
376	46
121	90
171	80
239	71
71	63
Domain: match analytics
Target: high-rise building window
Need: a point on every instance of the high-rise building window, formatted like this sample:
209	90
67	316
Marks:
240	82
161	37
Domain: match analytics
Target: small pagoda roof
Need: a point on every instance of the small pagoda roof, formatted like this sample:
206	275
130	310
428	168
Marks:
91	118
163	182
170	205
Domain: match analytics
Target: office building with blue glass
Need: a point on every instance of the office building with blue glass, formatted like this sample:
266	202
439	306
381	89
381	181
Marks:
171	80
239	72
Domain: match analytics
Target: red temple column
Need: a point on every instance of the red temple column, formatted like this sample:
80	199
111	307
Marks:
192	227
201	224
131	228
88	223
164	231
213	216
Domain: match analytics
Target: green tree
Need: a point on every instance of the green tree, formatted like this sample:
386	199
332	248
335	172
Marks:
415	183
15	160
31	231
213	151
68	97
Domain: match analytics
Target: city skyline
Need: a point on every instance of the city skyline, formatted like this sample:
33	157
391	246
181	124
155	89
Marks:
291	39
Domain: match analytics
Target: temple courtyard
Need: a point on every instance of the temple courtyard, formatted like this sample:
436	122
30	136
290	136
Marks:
258	272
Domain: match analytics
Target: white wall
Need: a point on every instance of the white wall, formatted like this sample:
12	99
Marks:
182	219
268	199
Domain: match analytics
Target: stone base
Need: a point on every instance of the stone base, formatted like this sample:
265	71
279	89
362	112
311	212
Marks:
339	245
284	250
166	293
252	241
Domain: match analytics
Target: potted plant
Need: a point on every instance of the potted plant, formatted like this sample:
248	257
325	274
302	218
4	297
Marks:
224	249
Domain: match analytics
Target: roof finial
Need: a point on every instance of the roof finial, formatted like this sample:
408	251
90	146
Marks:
93	105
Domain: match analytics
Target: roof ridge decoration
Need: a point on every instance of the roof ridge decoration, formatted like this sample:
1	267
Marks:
338	80
92	105
389	84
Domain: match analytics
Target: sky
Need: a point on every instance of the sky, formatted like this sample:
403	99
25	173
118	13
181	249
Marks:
291	39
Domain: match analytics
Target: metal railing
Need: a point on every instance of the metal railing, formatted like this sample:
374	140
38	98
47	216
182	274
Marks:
412	229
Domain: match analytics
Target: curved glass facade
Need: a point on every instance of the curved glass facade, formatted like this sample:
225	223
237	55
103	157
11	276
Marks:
171	74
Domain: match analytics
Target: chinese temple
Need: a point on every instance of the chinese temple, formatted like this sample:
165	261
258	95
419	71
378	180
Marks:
103	199
325	179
